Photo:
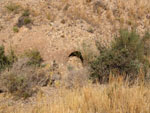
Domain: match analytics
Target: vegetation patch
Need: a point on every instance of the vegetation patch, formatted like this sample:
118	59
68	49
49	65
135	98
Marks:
34	57
22	79
90	30
22	83
17	84
15	29
127	56
26	12
27	21
6	60
22	75
12	7
24	19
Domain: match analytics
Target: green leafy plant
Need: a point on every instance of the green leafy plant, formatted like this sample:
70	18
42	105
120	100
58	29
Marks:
127	56
15	29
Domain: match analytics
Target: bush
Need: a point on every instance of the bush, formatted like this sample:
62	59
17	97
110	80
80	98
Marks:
27	20
6	61
3	58
26	12
15	29
126	57
34	57
24	20
18	85
22	80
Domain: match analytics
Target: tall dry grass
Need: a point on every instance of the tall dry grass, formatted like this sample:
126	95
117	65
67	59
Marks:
116	97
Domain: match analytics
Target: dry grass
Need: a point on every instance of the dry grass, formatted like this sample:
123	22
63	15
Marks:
115	10
112	98
13	7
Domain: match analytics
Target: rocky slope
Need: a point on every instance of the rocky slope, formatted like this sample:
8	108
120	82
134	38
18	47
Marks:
60	27
57	28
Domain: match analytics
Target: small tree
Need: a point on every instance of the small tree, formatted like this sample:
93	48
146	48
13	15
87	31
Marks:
126	56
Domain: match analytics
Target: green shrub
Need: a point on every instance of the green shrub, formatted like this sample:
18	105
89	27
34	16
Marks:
90	30
15	29
6	60
87	52
126	57
34	57
22	80
27	20
3	58
24	19
26	12
18	85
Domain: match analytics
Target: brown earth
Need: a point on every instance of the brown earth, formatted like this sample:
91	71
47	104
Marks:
62	26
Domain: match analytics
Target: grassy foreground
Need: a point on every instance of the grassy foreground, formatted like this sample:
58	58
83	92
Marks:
112	98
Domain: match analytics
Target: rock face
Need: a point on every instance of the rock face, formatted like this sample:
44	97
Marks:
60	27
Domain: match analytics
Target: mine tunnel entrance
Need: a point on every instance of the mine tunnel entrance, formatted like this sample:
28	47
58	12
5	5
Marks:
77	54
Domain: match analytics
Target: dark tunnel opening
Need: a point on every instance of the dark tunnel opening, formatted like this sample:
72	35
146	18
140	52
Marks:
77	54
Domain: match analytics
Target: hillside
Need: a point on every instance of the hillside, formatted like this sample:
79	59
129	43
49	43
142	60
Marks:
61	27
58	29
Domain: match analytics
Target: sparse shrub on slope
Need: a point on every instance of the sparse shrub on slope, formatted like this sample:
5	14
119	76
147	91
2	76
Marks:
24	19
22	75
15	29
18	85
6	60
22	80
12	58
3	58
27	21
127	56
34	57
26	12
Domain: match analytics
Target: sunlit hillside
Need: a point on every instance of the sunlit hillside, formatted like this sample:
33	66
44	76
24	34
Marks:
74	56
